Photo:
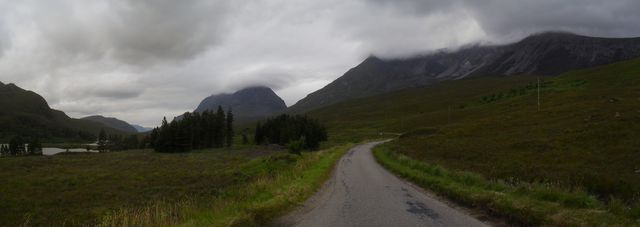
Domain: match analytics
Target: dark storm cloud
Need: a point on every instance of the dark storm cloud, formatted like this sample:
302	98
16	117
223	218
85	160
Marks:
140	60
133	32
617	18
167	29
111	93
508	19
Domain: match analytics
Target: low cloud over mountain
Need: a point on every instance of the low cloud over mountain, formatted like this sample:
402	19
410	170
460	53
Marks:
100	57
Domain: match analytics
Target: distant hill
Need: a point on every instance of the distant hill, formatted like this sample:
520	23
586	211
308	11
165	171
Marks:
26	113
249	104
545	54
112	122
141	128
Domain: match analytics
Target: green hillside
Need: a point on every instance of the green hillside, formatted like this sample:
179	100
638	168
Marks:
26	113
585	135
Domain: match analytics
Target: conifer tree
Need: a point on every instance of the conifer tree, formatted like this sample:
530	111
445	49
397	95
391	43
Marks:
34	147
162	141
220	127
245	139
16	146
4	150
285	129
258	135
102	141
152	137
229	124
194	131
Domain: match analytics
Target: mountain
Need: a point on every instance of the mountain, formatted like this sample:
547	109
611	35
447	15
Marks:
249	104
587	125
140	128
112	122
546	54
26	113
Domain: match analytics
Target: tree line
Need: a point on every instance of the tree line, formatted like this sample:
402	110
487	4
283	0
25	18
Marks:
117	142
208	129
296	132
16	147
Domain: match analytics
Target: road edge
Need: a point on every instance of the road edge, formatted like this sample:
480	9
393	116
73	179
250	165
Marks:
478	213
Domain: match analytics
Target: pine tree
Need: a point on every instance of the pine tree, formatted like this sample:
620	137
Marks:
152	137
162	143
220	127
258	135
245	139
16	146
194	131
285	129
34	147
131	142
4	150
102	141
208	129
229	124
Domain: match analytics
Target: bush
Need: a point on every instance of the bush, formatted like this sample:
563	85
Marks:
296	146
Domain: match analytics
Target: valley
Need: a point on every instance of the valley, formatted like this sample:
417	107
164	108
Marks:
539	132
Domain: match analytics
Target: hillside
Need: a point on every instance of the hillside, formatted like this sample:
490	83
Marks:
546	54
112	122
141	128
249	104
585	135
27	113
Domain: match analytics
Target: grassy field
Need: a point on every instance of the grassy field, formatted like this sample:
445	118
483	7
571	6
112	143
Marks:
528	204
585	137
210	187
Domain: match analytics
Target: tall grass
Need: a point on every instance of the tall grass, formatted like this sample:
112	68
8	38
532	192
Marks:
274	188
520	203
160	213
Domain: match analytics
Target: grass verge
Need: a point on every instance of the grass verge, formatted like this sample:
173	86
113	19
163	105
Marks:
277	183
520	203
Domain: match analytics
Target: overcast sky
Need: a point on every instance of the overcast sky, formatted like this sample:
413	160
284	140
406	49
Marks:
139	60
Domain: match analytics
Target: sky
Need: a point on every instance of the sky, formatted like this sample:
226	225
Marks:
140	60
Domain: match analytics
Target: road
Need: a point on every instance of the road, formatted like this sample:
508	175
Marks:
363	193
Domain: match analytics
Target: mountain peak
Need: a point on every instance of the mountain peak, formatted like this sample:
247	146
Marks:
552	36
255	89
371	59
546	53
11	87
250	103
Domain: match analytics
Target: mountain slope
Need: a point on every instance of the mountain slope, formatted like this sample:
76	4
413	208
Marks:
546	54
247	104
27	113
140	128
585	135
112	122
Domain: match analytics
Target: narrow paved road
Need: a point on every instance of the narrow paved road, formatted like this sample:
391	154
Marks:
363	193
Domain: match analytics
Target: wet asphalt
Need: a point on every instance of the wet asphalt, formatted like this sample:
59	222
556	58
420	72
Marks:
363	193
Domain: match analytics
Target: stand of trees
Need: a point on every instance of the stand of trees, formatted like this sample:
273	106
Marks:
17	147
117	142
194	131
299	132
